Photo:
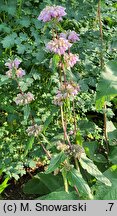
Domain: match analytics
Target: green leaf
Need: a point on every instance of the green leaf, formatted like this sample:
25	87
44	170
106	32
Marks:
4	80
71	76
107	86
21	48
103	192
112	133
26	110
25	21
79	139
75	178
43	184
29	145
91	151
35	186
58	137
32	164
9	40
55	61
47	122
5	28
55	162
15	176
4	185
113	155
60	195
92	169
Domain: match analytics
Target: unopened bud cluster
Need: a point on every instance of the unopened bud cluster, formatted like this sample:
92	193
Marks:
76	151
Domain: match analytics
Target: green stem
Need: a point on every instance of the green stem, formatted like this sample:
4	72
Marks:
20	8
65	182
76	163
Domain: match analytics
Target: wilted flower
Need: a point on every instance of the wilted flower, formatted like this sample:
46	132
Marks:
58	45
24	98
72	36
34	130
13	64
51	12
70	60
67	90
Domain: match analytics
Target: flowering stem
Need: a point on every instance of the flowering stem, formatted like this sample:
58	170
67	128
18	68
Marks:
64	74
75	125
64	77
19	87
64	128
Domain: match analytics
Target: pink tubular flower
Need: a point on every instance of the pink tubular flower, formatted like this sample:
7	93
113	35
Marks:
13	64
71	36
14	71
20	72
67	90
51	12
23	99
58	46
58	99
70	60
29	97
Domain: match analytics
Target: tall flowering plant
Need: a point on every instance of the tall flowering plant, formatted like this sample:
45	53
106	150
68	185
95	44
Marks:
70	148
60	45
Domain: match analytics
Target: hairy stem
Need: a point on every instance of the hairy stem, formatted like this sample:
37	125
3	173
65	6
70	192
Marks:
75	124
66	137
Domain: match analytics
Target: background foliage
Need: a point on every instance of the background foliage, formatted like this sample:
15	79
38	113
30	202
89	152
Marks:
21	34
